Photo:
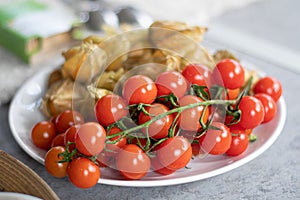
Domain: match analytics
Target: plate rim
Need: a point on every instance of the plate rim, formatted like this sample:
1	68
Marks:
154	183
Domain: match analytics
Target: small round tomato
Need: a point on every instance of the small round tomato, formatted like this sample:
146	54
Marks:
216	140
139	89
233	94
159	128
112	149
58	140
66	119
189	118
90	138
269	105
270	86
237	129
52	164
229	73
132	162
197	74
109	109
239	144
159	168
83	173
42	134
70	137
171	82
174	153
252	112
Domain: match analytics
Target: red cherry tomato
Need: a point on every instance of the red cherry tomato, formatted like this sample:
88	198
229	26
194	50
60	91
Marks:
109	109
239	144
159	168
70	137
139	89
112	149
269	105
159	128
132	162
189	118
52	164
42	134
229	73
83	173
237	129
197	74
66	119
270	86
216	140
175	153
58	140
171	82
90	138
233	94
252	112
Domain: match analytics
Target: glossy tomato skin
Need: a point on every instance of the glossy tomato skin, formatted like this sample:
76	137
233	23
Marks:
52	158
113	149
233	94
132	162
109	109
216	141
189	118
83	173
239	144
229	73
171	82
42	134
66	119
270	107
159	128
252	112
159	168
69	136
139	89
197	74
270	86
90	138
174	153
58	140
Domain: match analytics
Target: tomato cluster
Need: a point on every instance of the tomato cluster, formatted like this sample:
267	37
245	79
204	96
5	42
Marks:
160	124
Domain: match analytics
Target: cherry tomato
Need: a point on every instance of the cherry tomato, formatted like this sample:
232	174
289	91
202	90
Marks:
109	109
233	94
42	134
269	105
159	128
52	164
216	140
270	86
112	149
83	173
58	140
237	129
229	73
132	162
139	89
189	118
197	74
90	138
70	137
159	168
239	144
171	82
175	153
252	112
67	119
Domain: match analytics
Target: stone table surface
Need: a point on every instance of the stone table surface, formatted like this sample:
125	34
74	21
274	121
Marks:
275	174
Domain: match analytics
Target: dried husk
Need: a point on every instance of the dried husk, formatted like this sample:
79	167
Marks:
108	79
223	54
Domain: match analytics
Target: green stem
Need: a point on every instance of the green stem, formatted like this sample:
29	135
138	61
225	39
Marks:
179	109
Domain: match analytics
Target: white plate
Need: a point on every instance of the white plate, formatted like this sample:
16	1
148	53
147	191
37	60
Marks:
24	113
16	196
